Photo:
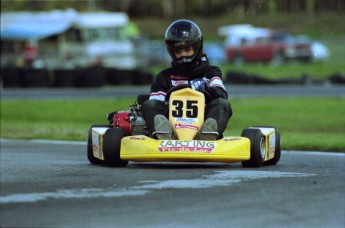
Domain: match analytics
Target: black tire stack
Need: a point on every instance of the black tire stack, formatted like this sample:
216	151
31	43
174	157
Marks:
93	76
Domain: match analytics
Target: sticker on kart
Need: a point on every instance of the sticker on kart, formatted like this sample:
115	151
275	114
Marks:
191	146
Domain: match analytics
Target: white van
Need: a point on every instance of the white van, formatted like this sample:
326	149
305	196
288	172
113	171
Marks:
99	39
71	39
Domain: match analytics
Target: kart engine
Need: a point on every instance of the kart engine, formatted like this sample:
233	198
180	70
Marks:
131	121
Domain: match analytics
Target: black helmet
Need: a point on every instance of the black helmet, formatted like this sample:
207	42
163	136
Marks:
180	34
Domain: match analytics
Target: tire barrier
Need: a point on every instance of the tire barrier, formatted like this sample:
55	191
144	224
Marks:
91	77
84	77
11	77
119	77
337	78
36	78
142	78
128	77
65	77
101	76
236	77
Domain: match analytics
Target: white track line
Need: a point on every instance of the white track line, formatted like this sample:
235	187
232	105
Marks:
217	179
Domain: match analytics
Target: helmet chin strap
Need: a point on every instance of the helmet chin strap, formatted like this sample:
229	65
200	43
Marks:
185	63
185	59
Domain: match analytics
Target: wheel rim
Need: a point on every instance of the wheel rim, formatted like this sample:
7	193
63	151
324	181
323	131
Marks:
262	147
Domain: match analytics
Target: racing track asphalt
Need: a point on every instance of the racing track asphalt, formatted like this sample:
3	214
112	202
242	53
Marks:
51	184
133	91
45	184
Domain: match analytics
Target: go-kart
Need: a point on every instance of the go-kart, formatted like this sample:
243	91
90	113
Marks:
126	137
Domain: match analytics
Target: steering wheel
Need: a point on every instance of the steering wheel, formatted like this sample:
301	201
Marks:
182	86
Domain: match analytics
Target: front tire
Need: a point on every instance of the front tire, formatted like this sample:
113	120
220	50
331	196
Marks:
111	147
257	148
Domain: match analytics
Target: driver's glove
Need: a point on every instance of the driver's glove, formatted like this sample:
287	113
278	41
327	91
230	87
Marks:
199	84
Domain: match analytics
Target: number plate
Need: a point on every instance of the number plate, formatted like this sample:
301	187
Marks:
186	112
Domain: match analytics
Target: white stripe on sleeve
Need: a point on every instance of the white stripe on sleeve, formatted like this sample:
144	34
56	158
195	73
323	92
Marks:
157	96
216	82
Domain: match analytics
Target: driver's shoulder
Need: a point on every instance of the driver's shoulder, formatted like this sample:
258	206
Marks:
214	68
166	71
213	71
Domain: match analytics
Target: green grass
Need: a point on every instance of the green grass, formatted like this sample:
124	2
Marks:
316	25
316	70
326	27
305	123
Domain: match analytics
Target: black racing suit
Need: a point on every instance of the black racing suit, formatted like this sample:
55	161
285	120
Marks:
218	108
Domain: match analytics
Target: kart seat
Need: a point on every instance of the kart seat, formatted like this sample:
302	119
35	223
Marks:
141	98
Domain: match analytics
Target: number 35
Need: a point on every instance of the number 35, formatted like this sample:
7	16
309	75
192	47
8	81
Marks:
191	108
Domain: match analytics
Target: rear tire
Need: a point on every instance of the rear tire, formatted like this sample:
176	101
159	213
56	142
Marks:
90	156
277	151
257	148
111	147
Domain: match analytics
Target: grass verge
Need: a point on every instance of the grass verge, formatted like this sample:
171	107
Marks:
305	123
315	70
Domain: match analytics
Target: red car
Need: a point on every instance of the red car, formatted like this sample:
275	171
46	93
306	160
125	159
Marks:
276	48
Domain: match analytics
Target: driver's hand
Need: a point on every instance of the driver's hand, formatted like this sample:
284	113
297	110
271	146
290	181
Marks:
198	84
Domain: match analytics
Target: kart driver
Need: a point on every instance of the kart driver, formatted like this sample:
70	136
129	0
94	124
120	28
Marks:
190	65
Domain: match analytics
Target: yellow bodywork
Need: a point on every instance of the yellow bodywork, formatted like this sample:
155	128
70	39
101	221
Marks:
186	114
145	149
